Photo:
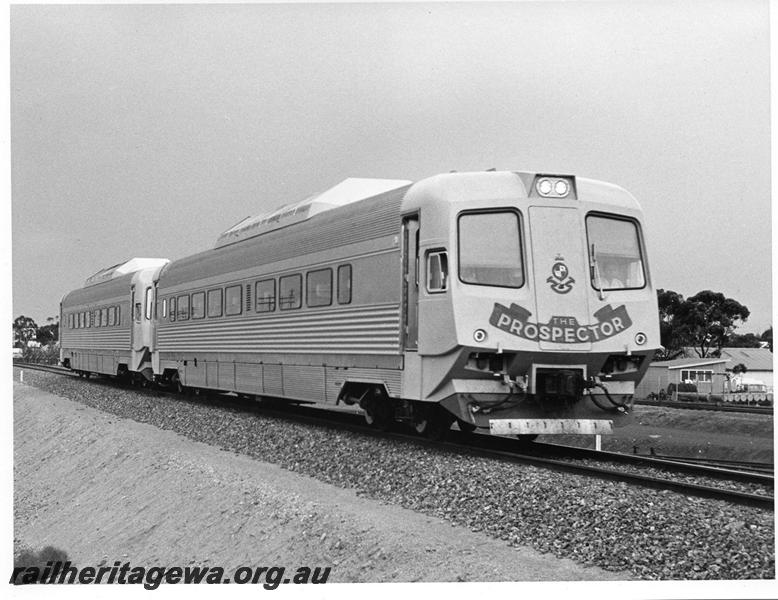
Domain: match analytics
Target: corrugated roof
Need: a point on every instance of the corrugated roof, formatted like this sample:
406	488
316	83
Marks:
688	362
755	359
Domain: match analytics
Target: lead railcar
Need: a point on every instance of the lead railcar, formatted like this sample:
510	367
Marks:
519	302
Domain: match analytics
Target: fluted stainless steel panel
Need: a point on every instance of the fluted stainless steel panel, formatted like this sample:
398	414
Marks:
248	378
273	380
306	383
374	329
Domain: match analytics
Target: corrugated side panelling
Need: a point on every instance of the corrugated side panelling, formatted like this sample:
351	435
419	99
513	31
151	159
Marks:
369	329
362	221
114	292
302	382
102	338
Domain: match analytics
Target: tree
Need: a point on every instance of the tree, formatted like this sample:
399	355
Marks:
25	329
670	338
767	336
747	340
49	333
707	319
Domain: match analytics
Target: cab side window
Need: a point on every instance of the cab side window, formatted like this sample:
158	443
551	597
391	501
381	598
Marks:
437	271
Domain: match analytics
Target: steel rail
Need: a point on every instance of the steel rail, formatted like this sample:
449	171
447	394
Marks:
460	444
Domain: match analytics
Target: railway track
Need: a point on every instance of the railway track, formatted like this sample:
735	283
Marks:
681	476
762	410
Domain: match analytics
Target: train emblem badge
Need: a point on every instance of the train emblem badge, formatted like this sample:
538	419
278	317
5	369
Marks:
561	330
560	280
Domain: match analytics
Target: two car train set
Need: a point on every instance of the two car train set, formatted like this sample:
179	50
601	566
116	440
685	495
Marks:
516	302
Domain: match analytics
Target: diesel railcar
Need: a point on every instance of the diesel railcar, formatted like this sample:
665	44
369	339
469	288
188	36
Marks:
518	302
103	328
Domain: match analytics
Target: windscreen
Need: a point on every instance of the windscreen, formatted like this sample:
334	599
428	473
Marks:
490	249
614	249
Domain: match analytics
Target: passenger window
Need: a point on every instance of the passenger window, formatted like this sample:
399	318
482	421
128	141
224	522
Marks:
266	295
172	309
437	271
290	292
215	303
344	284
198	305
233	300
318	286
183	308
149	303
164	308
104	317
111	316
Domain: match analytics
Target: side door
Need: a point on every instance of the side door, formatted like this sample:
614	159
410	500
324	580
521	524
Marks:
410	260
137	337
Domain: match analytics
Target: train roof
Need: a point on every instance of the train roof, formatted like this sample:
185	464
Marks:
124	268
346	192
352	190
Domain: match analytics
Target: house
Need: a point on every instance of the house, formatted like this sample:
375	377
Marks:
758	362
708	374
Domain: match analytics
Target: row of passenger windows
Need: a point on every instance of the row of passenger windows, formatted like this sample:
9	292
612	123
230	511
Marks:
100	317
284	293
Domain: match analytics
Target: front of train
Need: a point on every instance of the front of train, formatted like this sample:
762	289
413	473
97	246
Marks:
547	317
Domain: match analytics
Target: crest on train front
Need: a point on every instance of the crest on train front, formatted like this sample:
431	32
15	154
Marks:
560	279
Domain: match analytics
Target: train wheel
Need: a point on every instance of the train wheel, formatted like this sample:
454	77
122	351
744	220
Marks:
175	381
423	419
431	421
378	410
465	427
441	424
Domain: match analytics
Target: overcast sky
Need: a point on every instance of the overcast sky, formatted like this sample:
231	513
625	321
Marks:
148	130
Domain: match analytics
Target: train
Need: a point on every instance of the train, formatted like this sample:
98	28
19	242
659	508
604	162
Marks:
518	303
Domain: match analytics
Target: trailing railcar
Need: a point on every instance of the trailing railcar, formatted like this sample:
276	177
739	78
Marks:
518	302
106	327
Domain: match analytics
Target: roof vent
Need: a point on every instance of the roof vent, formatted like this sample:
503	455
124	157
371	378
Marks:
346	192
129	266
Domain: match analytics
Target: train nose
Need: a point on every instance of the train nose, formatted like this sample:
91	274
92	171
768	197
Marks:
561	276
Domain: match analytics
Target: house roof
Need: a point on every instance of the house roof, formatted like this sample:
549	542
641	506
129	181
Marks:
755	359
680	363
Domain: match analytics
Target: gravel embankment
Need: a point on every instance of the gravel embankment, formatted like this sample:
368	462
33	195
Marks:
653	534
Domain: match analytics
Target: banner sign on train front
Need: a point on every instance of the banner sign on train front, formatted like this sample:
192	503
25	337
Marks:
561	330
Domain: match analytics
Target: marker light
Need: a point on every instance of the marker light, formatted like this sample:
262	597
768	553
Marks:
479	335
544	187
553	187
640	338
561	187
